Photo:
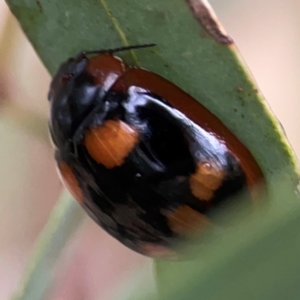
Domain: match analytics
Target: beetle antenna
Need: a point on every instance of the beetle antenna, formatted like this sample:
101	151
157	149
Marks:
126	48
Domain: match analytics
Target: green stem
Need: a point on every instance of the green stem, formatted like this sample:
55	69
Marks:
63	222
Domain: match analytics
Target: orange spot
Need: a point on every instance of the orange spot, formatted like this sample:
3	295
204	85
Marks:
69	180
184	219
206	180
105	69
157	251
110	143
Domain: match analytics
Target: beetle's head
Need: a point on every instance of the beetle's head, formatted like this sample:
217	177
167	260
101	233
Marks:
72	96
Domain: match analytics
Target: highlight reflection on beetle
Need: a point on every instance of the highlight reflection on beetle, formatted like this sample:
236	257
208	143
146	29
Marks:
145	160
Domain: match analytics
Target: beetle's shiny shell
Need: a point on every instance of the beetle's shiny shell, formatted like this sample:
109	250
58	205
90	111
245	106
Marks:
146	161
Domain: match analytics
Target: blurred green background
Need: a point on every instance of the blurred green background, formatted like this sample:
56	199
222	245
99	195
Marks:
267	34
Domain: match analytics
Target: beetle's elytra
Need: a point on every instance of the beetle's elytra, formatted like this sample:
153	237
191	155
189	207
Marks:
145	160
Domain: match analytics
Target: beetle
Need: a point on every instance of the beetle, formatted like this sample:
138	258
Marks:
144	159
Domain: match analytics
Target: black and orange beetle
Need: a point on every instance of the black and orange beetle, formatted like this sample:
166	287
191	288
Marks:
145	160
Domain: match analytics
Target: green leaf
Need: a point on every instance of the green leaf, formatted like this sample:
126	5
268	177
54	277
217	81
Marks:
62	224
206	66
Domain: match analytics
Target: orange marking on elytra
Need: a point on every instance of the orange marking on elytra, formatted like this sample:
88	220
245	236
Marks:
70	181
206	180
110	143
184	219
158	251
